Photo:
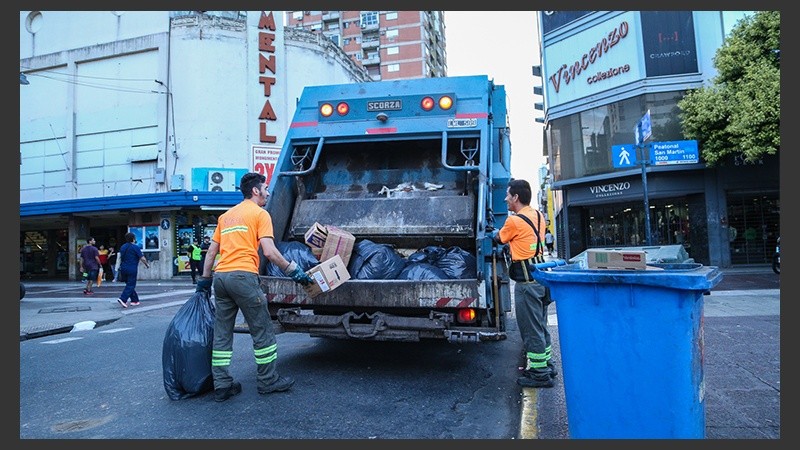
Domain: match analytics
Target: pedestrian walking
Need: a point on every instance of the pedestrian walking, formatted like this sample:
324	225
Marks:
194	253
90	264
549	241
203	251
112	264
130	255
239	233
523	231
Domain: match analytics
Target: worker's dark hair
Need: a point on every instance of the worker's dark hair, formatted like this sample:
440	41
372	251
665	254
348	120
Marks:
521	188
129	237
249	181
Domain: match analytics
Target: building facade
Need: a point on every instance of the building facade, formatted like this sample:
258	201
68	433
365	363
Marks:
390	45
612	79
144	121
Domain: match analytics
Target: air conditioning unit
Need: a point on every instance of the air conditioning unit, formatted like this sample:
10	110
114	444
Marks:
221	180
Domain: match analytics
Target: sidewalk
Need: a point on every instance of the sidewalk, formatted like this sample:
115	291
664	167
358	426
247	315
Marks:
53	307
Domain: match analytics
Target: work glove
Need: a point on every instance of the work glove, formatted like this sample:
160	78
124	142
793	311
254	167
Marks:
204	285
297	274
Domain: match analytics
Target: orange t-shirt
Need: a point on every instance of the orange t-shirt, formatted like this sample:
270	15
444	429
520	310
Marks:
519	235
238	231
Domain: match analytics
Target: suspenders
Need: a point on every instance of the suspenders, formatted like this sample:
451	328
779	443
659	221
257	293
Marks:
524	265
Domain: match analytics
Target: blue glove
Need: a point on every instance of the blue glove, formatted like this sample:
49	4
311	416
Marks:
204	285
496	236
297	274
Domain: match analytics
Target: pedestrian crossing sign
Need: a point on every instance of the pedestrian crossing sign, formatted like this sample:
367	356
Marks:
623	156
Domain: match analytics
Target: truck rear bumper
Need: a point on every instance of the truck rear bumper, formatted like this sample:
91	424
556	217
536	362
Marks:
382	327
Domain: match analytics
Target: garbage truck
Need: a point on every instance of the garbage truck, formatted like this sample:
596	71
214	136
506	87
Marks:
403	163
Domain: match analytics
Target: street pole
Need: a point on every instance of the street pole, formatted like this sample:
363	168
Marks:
643	158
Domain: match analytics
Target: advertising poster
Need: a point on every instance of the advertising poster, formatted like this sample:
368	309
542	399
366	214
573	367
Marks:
151	240
138	232
183	240
669	45
264	160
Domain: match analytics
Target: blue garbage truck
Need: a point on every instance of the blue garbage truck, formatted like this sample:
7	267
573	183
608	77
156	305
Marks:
408	164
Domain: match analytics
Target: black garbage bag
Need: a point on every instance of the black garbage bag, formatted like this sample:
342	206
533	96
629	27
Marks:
186	353
371	261
429	254
295	251
457	263
421	271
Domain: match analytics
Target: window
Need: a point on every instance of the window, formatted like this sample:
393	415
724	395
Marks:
334	38
347	41
391	34
369	18
391	15
297	15
392	50
393	68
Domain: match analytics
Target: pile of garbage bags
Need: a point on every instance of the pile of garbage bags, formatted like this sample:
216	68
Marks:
373	261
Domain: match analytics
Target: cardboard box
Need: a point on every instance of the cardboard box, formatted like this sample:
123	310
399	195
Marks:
327	241
315	238
327	276
616	259
338	242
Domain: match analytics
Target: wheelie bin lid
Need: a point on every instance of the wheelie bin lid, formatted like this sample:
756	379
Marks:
682	276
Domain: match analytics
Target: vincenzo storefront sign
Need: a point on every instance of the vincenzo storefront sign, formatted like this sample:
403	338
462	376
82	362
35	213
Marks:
608	191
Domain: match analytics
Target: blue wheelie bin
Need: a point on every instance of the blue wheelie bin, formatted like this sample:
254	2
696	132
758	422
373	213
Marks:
632	349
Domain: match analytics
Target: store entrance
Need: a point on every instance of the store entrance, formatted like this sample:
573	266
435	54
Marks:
753	226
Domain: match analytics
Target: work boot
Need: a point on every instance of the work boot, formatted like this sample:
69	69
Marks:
223	394
538	380
553	371
279	385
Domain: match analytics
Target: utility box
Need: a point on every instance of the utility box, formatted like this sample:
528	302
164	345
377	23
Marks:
176	182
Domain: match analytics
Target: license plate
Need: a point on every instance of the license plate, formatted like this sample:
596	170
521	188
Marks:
385	105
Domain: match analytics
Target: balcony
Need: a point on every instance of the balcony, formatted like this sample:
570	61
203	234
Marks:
334	15
371	43
371	61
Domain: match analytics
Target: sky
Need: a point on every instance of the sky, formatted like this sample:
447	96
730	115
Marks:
504	46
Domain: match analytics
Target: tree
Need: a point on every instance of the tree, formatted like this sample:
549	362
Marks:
739	113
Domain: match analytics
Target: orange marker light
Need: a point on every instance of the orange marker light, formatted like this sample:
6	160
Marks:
445	102
326	110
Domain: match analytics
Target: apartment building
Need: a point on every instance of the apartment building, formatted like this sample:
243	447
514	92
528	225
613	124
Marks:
390	45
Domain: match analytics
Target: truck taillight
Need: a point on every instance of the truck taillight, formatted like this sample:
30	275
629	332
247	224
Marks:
466	315
326	109
342	108
446	102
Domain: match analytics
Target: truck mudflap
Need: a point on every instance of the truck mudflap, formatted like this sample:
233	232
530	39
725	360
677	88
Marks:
379	326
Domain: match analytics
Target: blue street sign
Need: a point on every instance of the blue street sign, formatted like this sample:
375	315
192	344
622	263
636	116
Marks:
643	129
674	152
623	156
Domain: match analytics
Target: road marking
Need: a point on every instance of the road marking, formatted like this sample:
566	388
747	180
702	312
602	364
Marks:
527	425
116	330
59	341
